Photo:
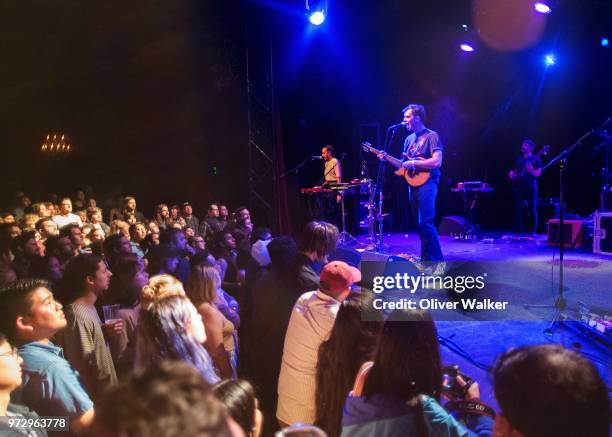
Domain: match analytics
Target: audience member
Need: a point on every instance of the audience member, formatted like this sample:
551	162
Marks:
162	216
262	338
25	249
7	274
65	216
221	335
40	209
170	328
79	200
94	216
350	344
86	277
75	235
10	379
138	233
59	248
168	399
399	391
162	260
239	398
175	239
47	228
191	220
30	316
124	289
312	319
210	224
120	227
115	247
549	391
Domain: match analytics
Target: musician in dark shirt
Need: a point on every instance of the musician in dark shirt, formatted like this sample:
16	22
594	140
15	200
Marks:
423	150
525	186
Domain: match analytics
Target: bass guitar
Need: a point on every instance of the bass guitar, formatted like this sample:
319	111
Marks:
516	174
414	178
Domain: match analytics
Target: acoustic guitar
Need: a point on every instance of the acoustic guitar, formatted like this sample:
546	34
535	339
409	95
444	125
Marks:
414	178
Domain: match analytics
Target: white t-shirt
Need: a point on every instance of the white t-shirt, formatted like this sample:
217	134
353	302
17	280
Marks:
332	170
312	320
63	220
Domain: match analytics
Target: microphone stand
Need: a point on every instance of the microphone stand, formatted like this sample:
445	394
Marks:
296	170
560	304
379	244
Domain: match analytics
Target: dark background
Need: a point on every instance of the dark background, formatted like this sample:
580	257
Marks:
152	95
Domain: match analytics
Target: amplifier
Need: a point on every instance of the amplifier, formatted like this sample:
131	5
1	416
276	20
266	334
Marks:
602	237
572	233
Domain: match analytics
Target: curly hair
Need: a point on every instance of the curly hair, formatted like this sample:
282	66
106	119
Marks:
168	399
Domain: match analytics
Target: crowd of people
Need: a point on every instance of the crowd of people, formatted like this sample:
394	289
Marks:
179	326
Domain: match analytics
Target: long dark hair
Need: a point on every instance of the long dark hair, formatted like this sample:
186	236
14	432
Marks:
238	396
350	344
407	359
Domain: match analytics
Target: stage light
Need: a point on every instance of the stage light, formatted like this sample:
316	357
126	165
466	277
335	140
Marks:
316	11
605	42
549	60
542	8
317	18
467	47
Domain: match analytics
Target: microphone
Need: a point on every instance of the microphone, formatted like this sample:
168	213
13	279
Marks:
396	126
316	157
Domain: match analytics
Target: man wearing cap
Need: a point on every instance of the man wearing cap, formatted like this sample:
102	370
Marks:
312	320
190	219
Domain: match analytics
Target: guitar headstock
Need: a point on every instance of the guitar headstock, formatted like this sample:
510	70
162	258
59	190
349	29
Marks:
368	148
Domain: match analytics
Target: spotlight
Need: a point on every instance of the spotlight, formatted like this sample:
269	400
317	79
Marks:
467	47
317	18
542	8
604	41
316	11
549	60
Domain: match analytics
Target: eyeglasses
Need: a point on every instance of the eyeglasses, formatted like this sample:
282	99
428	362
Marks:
12	353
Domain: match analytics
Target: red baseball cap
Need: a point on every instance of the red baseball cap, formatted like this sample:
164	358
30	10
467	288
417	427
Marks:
338	276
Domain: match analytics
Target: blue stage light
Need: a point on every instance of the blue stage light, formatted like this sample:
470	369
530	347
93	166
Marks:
467	47
549	60
605	42
542	8
317	18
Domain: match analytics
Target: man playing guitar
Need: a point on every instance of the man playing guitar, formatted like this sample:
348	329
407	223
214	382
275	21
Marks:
525	184
423	150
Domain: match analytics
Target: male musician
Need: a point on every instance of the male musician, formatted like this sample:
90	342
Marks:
332	169
423	150
525	178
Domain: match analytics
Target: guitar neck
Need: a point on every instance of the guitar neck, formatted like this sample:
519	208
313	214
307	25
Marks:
397	163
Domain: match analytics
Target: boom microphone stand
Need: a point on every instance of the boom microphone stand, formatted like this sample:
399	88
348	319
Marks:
379	245
562	158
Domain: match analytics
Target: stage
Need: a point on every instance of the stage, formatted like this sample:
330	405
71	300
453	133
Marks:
529	272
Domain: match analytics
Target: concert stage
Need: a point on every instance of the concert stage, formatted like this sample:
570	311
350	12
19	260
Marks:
529	271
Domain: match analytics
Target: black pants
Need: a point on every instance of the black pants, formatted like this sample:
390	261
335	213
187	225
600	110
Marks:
526	208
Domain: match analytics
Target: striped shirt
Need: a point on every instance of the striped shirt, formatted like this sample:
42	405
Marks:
86	349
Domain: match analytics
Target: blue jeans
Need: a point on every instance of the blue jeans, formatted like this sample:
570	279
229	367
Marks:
423	207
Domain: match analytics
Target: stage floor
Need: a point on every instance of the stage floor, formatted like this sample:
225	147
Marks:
530	270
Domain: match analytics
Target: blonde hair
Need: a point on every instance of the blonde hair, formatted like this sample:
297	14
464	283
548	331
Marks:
161	287
29	221
120	227
203	284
